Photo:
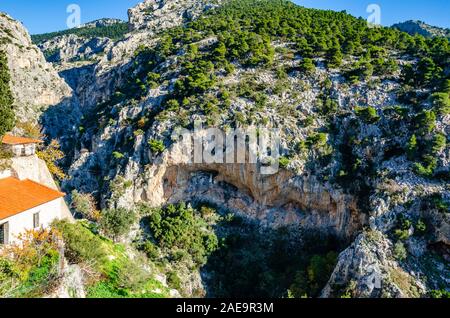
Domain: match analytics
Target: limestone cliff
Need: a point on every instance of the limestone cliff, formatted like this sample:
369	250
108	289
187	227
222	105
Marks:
157	15
35	84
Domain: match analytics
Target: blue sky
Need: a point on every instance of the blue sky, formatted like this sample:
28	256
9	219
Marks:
50	15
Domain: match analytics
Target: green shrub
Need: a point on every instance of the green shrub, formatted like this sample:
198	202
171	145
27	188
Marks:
421	227
411	148
436	201
440	294
156	146
424	171
362	70
317	140
178	227
85	205
173	280
310	281
172	105
81	245
116	222
438	143
7	116
441	102
400	252
41	276
284	162
327	106
131	276
307	66
368	114
403	228
426	121
117	155
151	250
401	234
334	56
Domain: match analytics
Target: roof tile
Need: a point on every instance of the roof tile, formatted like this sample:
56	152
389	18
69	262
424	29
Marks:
18	196
13	140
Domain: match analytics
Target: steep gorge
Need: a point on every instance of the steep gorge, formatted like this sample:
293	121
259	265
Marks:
123	101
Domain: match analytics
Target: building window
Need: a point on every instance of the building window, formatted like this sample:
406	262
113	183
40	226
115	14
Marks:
4	233
36	222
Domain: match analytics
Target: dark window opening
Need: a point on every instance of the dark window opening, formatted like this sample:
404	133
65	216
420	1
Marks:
4	233
36	220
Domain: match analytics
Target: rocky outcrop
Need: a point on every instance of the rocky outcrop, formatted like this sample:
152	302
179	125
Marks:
34	169
421	28
71	284
101	23
367	269
34	82
72	48
157	15
281	199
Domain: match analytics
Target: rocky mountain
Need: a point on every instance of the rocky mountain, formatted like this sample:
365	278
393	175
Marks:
35	83
100	23
157	15
361	196
419	27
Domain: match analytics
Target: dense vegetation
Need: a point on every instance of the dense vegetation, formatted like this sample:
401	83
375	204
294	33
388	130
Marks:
258	262
181	230
114	32
7	117
111	272
30	269
237	256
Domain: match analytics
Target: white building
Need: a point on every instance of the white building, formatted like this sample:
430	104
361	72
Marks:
26	205
20	146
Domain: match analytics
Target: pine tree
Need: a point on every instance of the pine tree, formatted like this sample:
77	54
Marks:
334	56
7	118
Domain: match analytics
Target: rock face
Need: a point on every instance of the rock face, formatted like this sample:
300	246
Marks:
72	48
35	83
419	27
34	169
71	285
101	23
157	15
367	269
281	199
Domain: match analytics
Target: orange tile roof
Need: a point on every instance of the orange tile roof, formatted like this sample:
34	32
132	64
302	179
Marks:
18	196
13	140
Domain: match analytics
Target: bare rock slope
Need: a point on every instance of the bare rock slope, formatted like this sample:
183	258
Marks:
35	83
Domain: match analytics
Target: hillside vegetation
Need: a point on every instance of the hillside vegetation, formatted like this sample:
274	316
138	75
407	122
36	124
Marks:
114	32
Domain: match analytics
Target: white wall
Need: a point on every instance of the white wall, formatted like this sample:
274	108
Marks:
35	169
24	221
5	174
18	150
